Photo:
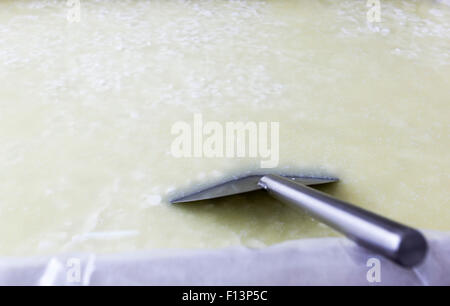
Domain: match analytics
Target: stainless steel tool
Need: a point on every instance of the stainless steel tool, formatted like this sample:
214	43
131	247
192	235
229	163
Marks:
401	243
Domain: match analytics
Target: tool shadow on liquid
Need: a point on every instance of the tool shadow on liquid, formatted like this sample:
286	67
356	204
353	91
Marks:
255	216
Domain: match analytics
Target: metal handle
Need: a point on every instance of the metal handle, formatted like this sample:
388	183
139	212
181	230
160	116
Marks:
398	242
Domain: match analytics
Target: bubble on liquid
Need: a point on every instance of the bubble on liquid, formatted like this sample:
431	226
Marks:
151	200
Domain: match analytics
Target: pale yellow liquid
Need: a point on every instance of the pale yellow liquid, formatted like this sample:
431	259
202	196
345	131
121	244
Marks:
86	111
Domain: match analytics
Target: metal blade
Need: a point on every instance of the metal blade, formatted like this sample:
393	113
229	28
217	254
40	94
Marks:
242	185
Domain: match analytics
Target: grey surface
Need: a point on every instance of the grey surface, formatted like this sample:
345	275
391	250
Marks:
401	243
242	185
324	261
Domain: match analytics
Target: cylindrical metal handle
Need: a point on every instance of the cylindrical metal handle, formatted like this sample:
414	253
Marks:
398	242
